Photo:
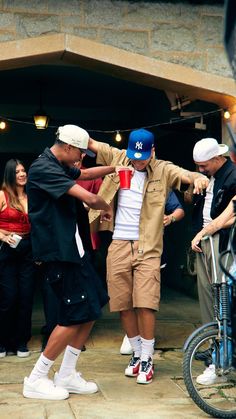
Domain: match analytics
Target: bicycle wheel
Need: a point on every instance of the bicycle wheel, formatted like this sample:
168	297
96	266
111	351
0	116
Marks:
199	331
218	399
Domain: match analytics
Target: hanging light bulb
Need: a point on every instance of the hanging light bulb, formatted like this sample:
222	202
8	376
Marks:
41	119
227	115
118	137
3	125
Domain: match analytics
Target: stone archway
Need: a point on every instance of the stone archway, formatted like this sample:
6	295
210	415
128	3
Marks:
69	49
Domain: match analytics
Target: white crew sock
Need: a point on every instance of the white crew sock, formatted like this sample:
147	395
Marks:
68	364
40	369
135	342
147	346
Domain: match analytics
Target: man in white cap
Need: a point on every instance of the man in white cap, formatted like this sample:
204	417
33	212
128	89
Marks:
209	157
52	194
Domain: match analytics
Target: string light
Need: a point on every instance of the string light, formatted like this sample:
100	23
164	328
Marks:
112	132
227	115
3	125
118	137
41	119
161	124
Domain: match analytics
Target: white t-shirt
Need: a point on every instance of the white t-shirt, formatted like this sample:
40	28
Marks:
129	208
79	243
208	201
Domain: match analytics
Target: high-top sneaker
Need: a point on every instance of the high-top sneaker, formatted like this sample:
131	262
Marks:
146	372
133	367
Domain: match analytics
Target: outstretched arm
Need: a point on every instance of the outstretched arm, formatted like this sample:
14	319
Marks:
96	172
93	145
199	181
92	201
224	220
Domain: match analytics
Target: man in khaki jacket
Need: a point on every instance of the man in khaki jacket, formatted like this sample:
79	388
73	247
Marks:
133	261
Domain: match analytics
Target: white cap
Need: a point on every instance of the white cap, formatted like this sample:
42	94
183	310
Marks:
207	148
75	136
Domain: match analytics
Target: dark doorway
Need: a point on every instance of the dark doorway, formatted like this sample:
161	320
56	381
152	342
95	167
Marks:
101	104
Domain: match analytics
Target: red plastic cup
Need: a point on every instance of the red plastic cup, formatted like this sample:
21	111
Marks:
125	177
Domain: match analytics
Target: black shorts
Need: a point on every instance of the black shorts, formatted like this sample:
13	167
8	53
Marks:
80	291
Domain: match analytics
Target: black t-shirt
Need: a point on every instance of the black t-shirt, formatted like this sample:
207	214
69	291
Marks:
52	211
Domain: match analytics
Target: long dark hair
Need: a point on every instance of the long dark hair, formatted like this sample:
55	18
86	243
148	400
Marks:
9	183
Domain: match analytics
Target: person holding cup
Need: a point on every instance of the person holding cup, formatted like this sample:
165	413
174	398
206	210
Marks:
17	269
133	261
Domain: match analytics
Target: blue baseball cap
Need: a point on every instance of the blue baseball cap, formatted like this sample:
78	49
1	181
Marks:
140	144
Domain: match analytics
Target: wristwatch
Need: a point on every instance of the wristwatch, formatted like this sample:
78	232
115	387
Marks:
173	219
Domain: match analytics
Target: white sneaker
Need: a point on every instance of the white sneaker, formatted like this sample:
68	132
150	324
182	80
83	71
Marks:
74	383
3	353
209	377
43	388
23	354
126	348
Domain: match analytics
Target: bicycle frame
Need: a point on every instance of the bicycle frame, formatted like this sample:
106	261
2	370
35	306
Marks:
221	312
217	396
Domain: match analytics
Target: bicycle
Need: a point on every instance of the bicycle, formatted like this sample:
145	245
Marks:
213	343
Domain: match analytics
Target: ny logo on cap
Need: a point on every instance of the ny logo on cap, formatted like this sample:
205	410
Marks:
139	145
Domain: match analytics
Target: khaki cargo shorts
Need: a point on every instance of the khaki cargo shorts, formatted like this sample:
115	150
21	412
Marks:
132	283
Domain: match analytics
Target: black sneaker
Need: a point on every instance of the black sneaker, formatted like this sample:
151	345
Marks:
3	351
11	351
22	351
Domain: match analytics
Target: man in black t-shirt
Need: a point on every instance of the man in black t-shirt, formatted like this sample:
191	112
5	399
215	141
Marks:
52	193
209	156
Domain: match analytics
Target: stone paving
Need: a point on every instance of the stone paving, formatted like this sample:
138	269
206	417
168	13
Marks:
119	396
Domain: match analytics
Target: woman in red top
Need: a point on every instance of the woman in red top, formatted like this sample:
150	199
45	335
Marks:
17	270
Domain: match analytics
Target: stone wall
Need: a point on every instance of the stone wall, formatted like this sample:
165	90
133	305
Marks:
181	32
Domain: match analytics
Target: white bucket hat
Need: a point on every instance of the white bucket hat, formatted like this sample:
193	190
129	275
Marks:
207	148
75	136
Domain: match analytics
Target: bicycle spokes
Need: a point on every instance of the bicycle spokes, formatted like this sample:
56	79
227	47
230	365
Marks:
212	386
